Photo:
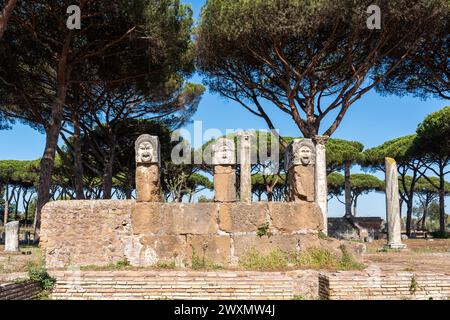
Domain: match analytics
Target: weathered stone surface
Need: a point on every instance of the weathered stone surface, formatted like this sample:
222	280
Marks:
104	232
242	217
215	249
12	236
295	216
146	218
393	206
300	152
163	249
321	189
301	183
85	232
199	218
224	183
148	187
245	153
224	152
147	149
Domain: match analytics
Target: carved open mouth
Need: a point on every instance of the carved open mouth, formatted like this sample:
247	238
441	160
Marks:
146	156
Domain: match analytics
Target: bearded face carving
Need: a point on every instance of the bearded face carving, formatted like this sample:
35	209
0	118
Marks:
147	149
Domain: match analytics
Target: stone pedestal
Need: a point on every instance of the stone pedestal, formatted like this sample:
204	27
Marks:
245	161
224	183
148	188
299	162
301	183
224	161
148	163
12	237
393	206
321	187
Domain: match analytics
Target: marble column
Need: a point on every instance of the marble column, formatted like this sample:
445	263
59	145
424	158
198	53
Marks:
245	160
321	187
12	236
224	161
148	160
300	167
393	220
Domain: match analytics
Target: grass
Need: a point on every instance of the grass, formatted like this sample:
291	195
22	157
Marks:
314	258
37	272
119	265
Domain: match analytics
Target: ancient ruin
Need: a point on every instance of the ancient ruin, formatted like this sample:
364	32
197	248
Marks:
393	219
12	236
148	231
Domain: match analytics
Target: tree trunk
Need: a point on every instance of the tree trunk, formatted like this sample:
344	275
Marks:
77	161
16	209
5	14
5	217
348	194
409	210
424	217
442	222
107	177
52	130
355	204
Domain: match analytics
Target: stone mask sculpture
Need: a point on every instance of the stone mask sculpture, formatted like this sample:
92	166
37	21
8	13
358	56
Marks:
223	152
305	154
146	149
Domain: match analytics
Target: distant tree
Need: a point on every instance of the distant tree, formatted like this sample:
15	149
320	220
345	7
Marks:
360	184
425	72
145	42
410	167
311	68
427	194
197	183
272	186
335	185
433	144
5	13
342	155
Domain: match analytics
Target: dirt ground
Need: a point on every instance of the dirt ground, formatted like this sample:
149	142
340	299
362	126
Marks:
18	262
420	255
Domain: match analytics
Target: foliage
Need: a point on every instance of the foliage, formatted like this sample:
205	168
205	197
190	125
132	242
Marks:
313	68
254	260
264	230
433	135
38	273
340	151
347	261
312	258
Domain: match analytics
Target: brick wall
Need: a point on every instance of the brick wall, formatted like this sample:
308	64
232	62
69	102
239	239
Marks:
377	285
27	290
184	285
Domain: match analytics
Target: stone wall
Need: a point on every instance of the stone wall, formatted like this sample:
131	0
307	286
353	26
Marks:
26	290
373	285
145	233
153	285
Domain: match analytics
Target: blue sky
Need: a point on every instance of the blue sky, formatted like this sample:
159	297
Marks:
372	120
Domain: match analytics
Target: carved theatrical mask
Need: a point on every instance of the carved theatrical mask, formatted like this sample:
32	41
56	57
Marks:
305	155
223	152
146	148
145	152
